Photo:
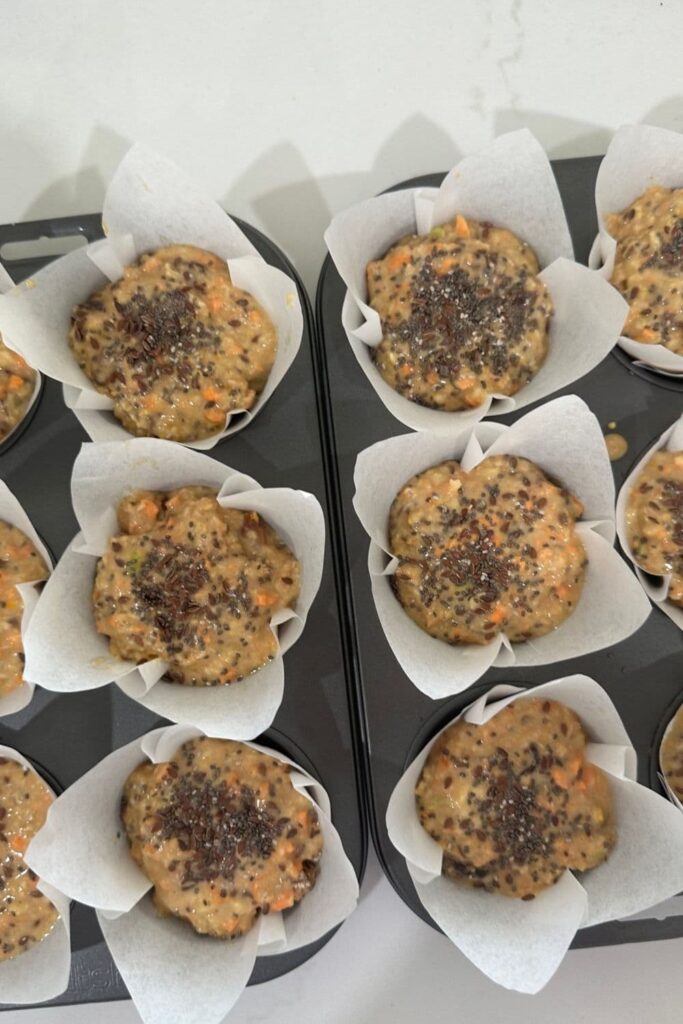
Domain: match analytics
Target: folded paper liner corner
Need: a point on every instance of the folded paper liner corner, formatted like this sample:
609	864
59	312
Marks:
172	973
509	183
6	285
11	512
43	971
62	648
656	587
521	944
149	203
638	156
564	439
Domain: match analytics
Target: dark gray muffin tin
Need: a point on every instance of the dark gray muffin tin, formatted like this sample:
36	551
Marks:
316	724
641	675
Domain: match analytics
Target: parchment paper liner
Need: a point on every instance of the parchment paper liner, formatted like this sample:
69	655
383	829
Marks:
64	652
521	944
660	773
172	973
564	439
6	284
12	512
42	972
510	183
149	203
672	440
638	156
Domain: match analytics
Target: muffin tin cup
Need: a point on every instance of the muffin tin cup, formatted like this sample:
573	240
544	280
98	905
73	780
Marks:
12	512
171	972
520	944
509	183
612	605
656	587
6	285
638	156
656	772
64	653
149	204
43	971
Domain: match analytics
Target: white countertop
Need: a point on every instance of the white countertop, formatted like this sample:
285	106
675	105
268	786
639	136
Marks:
287	112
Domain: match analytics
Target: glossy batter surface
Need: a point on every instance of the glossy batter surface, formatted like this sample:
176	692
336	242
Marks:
222	834
654	519
19	563
463	314
514	802
175	344
671	754
26	916
194	584
648	268
491	551
17	381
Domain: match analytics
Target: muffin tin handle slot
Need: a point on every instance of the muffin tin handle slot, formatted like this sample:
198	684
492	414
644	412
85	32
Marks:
24	244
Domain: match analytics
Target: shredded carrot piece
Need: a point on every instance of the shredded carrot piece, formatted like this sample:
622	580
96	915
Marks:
18	843
560	778
255	316
264	600
406	370
210	394
282	902
648	335
398	258
214	415
462	228
15	383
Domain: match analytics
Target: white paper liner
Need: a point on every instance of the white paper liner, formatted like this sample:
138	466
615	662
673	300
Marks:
671	440
65	653
149	203
12	512
43	971
6	284
510	183
660	774
564	439
521	944
638	156
173	974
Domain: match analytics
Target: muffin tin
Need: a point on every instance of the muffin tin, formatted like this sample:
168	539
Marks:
317	725
641	675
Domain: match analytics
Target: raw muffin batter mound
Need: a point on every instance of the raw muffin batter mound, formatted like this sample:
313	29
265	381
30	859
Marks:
491	551
193	583
174	344
514	802
464	315
654	519
222	834
19	563
671	754
26	915
17	381
648	266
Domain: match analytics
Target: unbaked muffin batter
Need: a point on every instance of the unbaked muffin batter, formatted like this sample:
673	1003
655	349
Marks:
463	313
491	551
175	344
514	802
26	915
654	519
17	381
648	267
671	754
19	563
222	834
194	584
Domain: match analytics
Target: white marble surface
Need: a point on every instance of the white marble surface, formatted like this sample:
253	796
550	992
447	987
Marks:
287	111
